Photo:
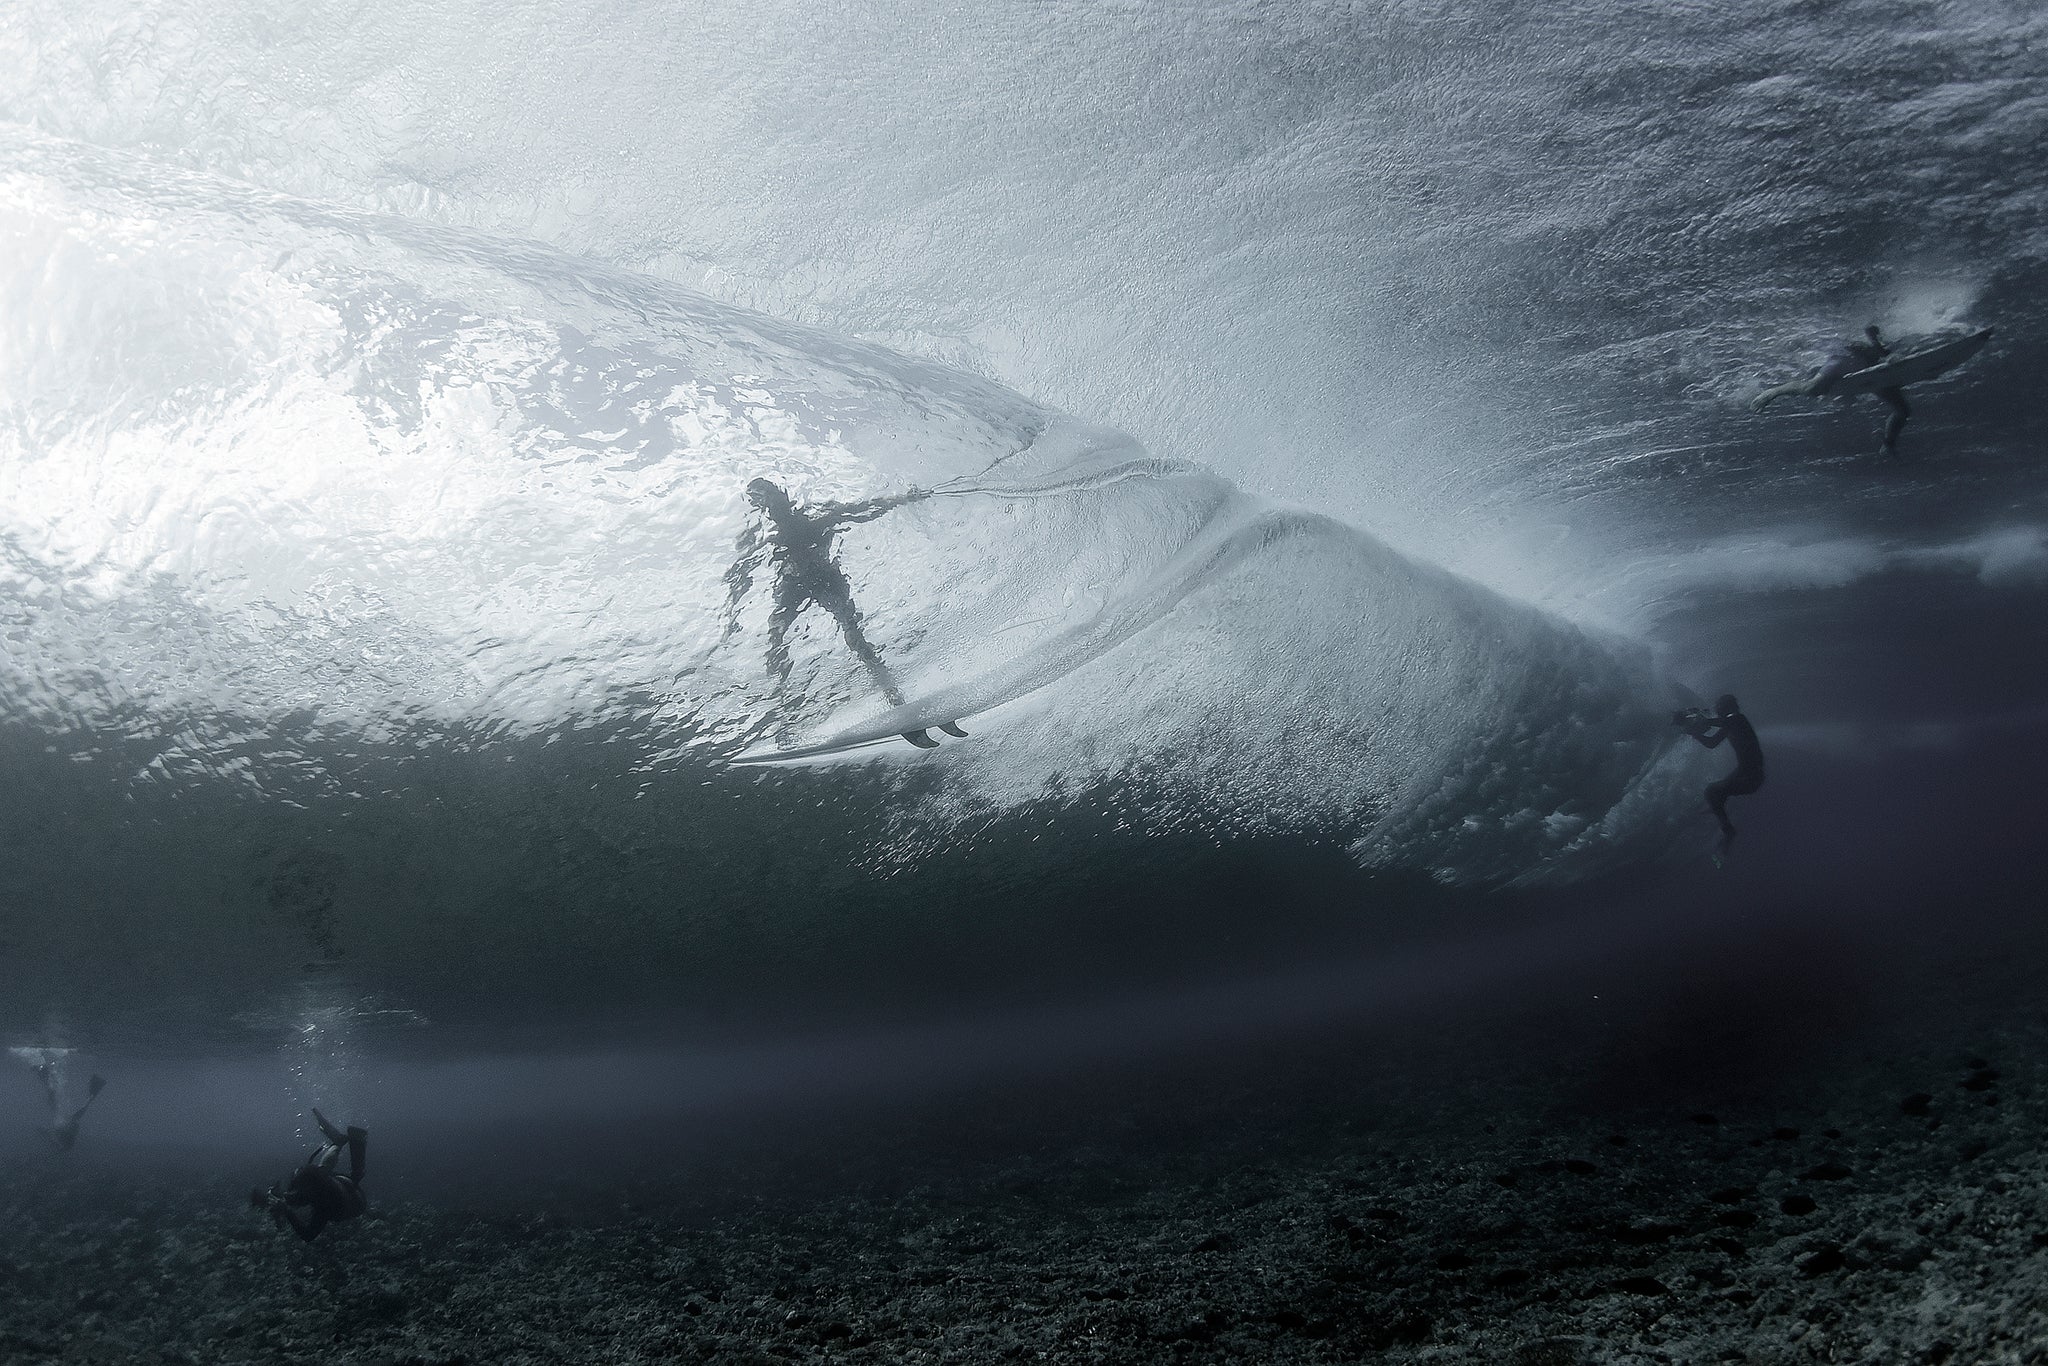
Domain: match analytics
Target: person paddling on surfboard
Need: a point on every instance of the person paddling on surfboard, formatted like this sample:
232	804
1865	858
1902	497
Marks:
1726	722
1846	358
797	545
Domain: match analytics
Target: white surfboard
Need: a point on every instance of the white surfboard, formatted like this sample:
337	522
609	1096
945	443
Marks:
1240	529
1912	367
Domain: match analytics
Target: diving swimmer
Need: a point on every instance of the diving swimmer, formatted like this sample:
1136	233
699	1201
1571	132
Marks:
1846	357
797	544
64	1132
317	1195
1726	722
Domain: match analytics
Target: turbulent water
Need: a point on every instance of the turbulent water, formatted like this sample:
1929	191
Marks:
1315	427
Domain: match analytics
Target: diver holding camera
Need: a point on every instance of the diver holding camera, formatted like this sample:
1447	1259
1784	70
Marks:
1710	728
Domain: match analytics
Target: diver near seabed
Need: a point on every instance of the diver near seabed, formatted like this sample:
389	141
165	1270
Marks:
1845	358
797	544
1726	722
324	1195
64	1132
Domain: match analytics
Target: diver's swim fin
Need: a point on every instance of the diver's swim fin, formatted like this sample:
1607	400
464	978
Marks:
920	739
328	1131
953	728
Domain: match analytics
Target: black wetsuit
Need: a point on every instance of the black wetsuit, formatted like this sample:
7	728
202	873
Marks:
1749	764
317	1195
1850	356
1861	355
798	546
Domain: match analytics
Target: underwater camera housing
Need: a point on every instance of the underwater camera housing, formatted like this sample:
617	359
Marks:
1692	720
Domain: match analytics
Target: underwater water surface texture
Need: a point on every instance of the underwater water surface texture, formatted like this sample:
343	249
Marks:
883	681
1296	436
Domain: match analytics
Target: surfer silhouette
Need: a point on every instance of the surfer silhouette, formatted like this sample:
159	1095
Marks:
796	544
317	1195
64	1132
1726	722
1850	356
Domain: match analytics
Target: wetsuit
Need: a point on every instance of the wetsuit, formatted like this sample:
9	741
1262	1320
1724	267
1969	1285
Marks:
1844	359
317	1195
1749	765
798	546
1849	356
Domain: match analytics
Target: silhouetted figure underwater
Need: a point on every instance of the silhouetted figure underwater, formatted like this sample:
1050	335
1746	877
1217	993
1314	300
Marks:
317	1195
1847	357
796	543
64	1132
1726	722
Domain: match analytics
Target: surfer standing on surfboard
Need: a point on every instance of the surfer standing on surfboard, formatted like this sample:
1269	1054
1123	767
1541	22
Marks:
1846	358
797	545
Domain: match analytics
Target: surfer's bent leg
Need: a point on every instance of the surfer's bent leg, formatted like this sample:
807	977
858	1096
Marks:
1814	386
1717	802
1740	783
1895	399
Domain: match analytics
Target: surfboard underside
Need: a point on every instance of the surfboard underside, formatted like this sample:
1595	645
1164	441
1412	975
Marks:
1915	368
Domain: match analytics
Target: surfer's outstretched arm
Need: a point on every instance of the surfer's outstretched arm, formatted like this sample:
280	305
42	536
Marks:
852	514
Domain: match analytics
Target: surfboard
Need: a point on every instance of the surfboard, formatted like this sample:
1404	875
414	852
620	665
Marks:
1238	528
849	741
1914	366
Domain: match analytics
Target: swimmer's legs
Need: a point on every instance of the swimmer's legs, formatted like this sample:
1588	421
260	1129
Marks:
1717	802
332	1134
354	1139
92	1093
1772	395
1895	399
1814	386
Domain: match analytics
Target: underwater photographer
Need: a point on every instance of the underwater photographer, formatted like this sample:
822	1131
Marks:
1726	723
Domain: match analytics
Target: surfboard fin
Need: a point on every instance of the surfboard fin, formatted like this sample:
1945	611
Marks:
953	728
921	739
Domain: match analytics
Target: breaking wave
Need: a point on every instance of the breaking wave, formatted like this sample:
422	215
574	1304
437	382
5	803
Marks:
321	527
